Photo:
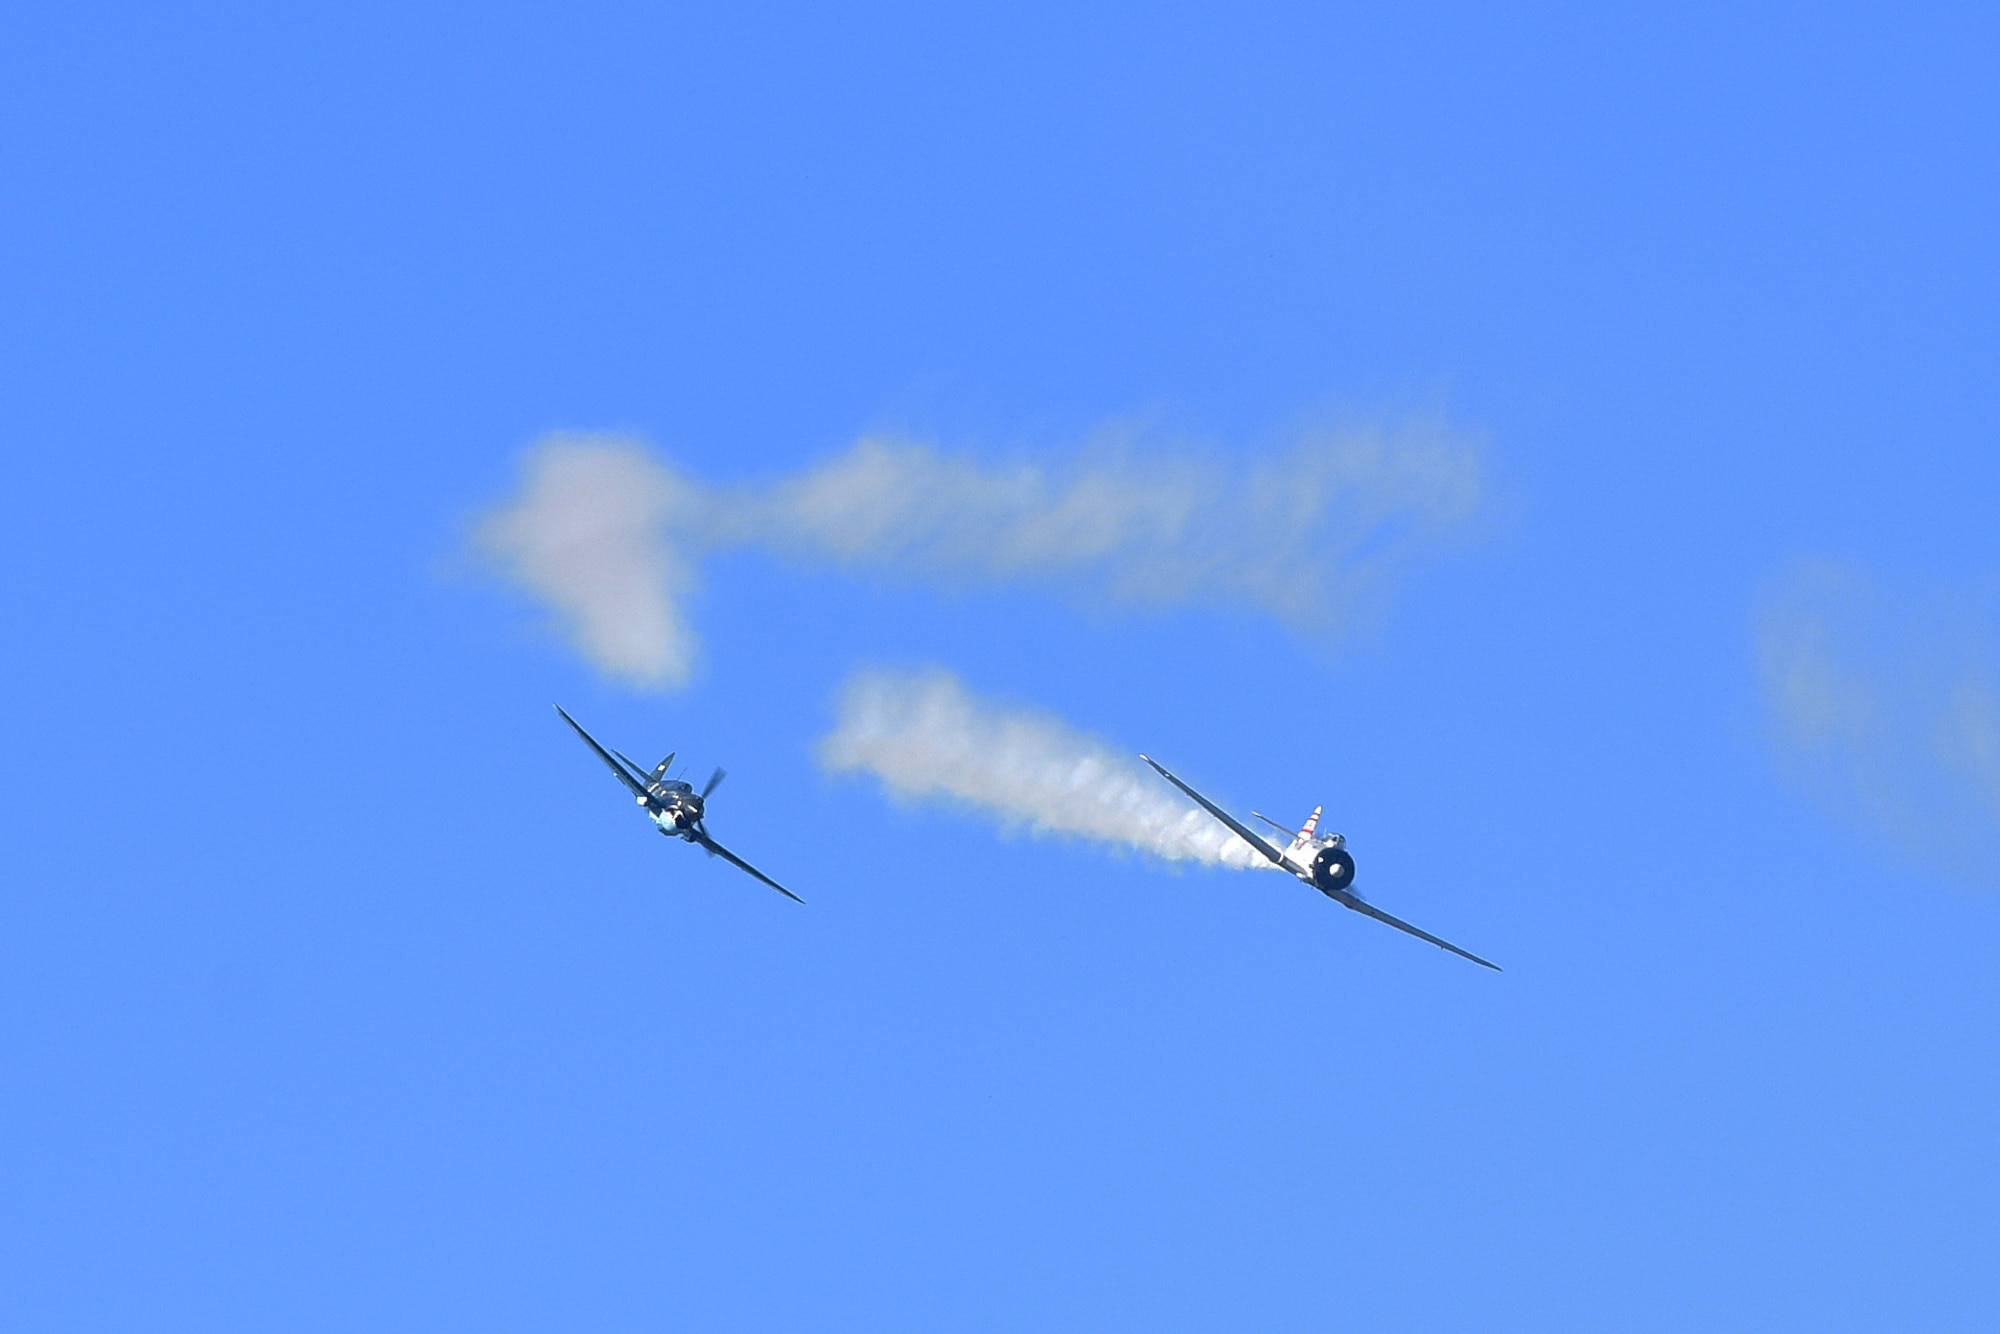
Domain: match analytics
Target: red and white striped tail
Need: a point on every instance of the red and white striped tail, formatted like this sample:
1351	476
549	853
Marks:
1312	823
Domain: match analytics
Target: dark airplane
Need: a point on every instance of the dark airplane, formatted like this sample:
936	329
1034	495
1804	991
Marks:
671	804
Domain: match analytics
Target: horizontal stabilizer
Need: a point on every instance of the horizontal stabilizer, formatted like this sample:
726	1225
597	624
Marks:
631	764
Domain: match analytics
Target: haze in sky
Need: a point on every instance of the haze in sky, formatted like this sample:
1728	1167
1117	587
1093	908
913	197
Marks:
1557	440
1885	704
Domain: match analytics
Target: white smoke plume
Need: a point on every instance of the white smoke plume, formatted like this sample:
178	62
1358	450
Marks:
610	537
927	738
588	538
1886	706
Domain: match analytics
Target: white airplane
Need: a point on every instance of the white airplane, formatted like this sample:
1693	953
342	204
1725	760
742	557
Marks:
673	805
1323	863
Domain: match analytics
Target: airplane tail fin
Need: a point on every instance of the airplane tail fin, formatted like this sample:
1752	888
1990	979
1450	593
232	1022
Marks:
1311	824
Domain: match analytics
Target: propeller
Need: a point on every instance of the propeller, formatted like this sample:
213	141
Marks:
714	782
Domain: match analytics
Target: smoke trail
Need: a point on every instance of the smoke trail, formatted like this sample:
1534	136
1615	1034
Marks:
927	739
587	538
610	537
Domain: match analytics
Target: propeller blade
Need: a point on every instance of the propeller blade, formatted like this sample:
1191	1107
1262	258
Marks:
714	781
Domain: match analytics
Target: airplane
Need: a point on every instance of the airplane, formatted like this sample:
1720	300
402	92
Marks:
1322	862
674	806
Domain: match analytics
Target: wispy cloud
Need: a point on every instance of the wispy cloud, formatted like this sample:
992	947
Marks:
609	536
927	738
1886	704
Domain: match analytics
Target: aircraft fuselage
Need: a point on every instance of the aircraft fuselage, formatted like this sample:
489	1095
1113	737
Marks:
674	808
1323	863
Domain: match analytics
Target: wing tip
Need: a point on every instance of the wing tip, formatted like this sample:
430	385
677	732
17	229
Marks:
1468	954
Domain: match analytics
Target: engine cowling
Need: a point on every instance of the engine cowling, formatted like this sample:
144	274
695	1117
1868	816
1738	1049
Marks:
1333	869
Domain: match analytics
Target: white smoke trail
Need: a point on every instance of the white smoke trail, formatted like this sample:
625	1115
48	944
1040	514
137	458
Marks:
927	738
610	537
1886	706
587	537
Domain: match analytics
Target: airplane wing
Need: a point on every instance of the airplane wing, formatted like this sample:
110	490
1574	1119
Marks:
1368	909
701	837
638	789
1242	831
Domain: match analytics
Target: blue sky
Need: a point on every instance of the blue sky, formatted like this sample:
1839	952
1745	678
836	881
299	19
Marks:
342	990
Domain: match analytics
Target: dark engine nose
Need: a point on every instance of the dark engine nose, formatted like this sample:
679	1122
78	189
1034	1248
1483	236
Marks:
1333	869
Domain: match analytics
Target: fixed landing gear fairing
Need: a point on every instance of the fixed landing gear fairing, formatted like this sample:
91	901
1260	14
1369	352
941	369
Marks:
1322	862
671	804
